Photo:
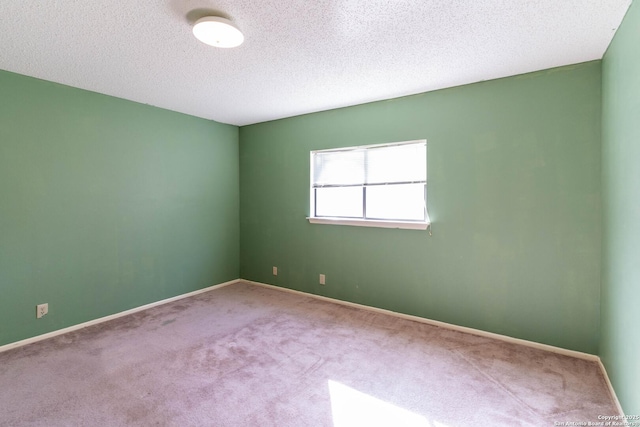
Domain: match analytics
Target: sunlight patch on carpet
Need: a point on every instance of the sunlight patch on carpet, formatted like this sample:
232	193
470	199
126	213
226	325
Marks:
351	408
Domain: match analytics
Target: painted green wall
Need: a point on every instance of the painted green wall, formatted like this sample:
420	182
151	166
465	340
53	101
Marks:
620	342
514	194
107	204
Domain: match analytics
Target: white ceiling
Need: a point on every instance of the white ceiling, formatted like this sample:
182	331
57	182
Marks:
299	56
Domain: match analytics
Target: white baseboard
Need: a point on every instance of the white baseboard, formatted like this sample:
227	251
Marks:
611	390
111	317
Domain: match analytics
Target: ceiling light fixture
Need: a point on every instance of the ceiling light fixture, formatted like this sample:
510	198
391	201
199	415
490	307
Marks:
218	32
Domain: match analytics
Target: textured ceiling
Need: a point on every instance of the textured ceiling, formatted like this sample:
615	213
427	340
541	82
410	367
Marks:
299	56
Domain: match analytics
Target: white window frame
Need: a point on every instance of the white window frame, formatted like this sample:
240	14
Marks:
364	222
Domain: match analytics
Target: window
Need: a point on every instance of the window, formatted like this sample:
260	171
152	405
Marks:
375	185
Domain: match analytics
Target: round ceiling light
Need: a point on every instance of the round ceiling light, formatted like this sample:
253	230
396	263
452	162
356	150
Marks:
218	32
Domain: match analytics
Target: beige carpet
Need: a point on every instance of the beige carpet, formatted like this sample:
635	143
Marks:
245	355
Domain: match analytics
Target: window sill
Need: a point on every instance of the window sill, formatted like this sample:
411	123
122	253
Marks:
407	225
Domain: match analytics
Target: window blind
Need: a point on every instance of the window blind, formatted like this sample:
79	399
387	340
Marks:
380	165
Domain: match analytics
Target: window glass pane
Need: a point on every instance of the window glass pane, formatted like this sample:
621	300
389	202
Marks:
339	201
399	163
401	202
338	167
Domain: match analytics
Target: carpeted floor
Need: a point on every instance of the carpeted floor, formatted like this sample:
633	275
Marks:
245	355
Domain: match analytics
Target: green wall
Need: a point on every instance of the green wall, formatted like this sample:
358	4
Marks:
514	195
620	342
106	205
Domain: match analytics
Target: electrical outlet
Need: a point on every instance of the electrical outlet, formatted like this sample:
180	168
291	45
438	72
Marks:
322	279
41	310
275	271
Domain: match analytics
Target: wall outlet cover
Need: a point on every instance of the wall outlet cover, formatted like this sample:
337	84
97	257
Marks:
41	310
